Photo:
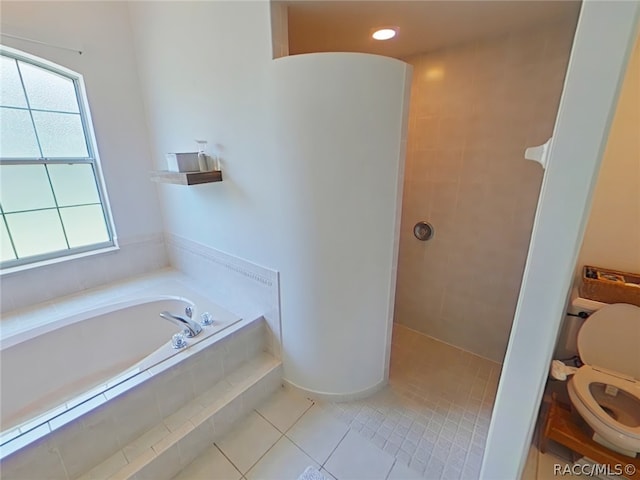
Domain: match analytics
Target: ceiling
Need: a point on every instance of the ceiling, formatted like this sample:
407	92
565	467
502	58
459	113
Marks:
330	25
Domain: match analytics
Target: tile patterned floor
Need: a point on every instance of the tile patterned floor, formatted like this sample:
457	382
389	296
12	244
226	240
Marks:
434	415
430	422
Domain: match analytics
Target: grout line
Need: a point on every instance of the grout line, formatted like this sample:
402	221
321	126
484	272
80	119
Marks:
300	417
303	451
228	459
296	421
321	464
395	459
265	453
334	449
64	466
267	420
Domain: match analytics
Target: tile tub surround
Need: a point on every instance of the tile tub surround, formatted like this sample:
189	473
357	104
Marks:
474	110
215	384
166	281
241	286
430	422
125	414
136	256
170	446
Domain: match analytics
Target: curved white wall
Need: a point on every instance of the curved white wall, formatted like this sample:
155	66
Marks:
339	132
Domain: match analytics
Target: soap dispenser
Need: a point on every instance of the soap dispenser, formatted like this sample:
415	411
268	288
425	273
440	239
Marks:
202	156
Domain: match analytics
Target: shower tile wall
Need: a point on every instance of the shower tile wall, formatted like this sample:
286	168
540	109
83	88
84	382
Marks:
474	109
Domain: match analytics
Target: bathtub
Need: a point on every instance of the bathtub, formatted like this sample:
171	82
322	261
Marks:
50	369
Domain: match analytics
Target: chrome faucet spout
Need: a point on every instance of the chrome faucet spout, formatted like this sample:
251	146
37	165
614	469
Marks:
191	328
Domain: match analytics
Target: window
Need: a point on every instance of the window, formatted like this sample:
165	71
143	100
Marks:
51	196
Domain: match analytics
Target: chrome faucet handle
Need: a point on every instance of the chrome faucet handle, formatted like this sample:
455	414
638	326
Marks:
190	327
188	311
178	341
206	319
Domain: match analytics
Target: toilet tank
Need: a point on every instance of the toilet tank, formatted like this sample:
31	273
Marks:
567	345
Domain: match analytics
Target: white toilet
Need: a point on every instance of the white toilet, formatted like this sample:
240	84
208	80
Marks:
606	389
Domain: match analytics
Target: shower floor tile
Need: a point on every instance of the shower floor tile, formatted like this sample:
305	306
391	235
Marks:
433	416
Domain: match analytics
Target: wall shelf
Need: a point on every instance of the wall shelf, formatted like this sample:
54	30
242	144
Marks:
186	178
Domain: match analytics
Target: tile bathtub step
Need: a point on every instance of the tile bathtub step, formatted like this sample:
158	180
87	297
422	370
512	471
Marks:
161	452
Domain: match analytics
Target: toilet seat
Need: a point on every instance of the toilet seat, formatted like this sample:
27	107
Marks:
609	338
608	345
585	376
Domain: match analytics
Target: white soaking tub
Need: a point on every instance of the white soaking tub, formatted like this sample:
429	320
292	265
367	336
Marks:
44	368
56	357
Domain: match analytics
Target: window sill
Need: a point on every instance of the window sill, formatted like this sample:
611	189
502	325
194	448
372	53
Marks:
53	261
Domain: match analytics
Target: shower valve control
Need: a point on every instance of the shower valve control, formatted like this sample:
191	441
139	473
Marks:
423	231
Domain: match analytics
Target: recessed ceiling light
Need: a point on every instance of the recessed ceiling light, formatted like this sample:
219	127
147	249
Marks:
385	33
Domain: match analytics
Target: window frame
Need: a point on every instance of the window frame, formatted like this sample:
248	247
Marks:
93	159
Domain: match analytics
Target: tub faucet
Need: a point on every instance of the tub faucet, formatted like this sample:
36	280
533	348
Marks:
191	328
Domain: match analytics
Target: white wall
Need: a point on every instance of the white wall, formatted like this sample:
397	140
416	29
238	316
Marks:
602	44
204	69
102	31
304	204
612	237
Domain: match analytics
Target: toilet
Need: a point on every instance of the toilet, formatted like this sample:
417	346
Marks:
605	391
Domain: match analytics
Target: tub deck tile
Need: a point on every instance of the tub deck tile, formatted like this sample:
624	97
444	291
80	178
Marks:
146	440
133	467
175	420
76	412
127	385
84	397
160	467
177	439
107	468
36	422
172	438
25	439
219	392
224	406
9	435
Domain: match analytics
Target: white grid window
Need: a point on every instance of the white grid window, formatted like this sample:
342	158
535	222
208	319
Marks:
51	200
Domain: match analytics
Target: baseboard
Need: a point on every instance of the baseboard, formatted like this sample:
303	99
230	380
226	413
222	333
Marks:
337	397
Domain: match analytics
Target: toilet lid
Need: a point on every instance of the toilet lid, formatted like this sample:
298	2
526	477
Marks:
610	338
